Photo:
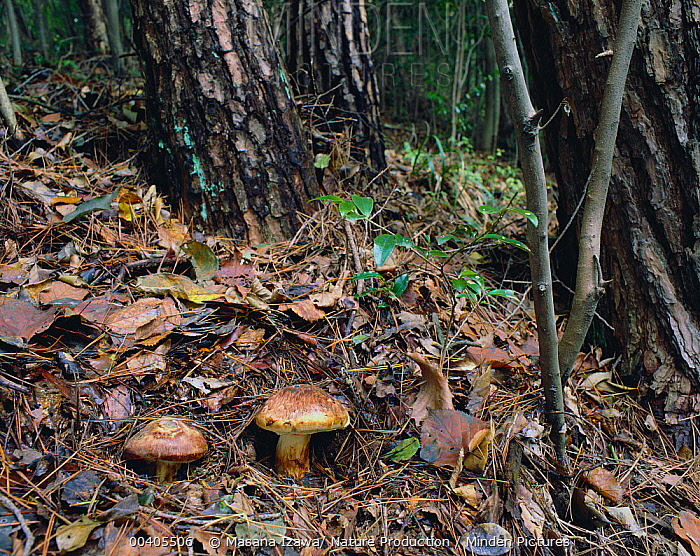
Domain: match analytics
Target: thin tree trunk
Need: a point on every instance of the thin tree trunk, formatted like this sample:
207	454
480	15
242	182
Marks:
41	27
14	33
7	112
114	34
492	114
527	133
651	240
231	149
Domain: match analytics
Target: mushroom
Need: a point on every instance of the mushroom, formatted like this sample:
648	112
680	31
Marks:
295	413
169	443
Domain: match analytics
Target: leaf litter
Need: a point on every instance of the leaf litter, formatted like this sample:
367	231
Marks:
113	312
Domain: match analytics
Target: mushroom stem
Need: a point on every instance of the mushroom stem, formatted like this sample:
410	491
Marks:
292	456
166	471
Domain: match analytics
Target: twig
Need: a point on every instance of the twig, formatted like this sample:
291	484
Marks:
29	538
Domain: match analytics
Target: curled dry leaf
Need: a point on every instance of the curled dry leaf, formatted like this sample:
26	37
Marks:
434	393
605	484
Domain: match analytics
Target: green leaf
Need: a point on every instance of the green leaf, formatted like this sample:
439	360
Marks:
364	205
404	450
509	294
436	253
445	238
367	275
403	241
98	203
347	210
383	247
322	160
400	285
531	216
328	199
488	209
359	339
510	241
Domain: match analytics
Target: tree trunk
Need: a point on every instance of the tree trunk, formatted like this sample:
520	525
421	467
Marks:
329	56
41	27
651	234
95	26
488	135
14	33
114	34
232	151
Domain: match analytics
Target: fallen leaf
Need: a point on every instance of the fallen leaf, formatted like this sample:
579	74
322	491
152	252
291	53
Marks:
59	290
605	484
489	356
74	535
476	460
236	274
98	203
434	393
687	527
203	259
117	405
20	319
531	514
178	286
147	317
480	390
624	515
404	450
447	431
305	308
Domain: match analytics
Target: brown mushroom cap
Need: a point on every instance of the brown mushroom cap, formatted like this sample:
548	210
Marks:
167	439
302	409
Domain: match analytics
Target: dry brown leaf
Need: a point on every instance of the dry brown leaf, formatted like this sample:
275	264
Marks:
60	290
20	319
446	432
117	404
476	460
434	393
235	274
605	484
144	319
687	527
489	356
305	308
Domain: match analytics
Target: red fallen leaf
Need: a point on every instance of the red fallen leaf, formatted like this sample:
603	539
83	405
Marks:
235	274
20	319
305	308
117	404
447	431
605	484
434	393
687	527
489	356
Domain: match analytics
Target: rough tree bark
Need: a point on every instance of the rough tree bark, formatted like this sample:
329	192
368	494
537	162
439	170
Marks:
329	56
232	151
651	236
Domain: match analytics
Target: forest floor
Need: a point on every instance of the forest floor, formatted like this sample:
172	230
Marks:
113	313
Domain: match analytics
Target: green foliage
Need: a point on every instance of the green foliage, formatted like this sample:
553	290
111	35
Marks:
469	284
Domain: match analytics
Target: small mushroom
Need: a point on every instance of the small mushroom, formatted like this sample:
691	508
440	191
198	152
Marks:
295	413
169	443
